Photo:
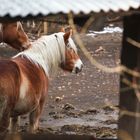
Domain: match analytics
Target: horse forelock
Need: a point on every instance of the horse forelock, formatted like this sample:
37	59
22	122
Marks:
47	52
72	44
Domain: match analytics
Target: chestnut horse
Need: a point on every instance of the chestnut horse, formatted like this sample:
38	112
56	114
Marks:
14	35
24	78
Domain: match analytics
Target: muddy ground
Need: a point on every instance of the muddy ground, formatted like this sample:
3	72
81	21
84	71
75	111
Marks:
85	103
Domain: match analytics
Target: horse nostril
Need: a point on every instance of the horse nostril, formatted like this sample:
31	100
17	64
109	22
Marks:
77	70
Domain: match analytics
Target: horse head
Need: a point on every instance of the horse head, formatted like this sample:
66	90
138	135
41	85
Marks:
14	35
72	60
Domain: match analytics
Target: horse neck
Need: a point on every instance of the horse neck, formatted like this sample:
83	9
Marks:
47	52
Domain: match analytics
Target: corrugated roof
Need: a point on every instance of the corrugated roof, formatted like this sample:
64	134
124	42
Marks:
24	8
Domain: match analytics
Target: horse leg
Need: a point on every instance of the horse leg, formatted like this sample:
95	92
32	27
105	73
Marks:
4	114
35	116
34	120
14	123
4	122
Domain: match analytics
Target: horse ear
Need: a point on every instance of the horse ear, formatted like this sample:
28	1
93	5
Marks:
67	35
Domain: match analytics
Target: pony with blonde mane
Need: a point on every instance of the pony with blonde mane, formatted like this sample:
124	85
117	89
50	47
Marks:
24	78
14	35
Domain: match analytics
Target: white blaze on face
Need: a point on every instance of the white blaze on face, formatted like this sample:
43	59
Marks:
78	64
23	87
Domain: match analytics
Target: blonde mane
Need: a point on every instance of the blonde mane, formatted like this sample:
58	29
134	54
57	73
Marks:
47	52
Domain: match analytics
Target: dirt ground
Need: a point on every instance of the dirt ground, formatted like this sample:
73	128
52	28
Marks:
85	103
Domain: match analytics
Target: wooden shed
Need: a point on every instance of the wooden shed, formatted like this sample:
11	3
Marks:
129	120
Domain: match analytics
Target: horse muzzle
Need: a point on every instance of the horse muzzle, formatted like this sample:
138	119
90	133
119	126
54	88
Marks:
78	66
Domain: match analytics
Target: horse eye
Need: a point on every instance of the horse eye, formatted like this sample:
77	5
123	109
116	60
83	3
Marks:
71	49
67	46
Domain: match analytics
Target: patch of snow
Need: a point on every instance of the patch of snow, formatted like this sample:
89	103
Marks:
107	29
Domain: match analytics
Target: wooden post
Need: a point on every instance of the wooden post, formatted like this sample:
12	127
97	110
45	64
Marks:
45	27
129	121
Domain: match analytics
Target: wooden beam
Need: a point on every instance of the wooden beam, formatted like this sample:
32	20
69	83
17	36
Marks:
27	136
